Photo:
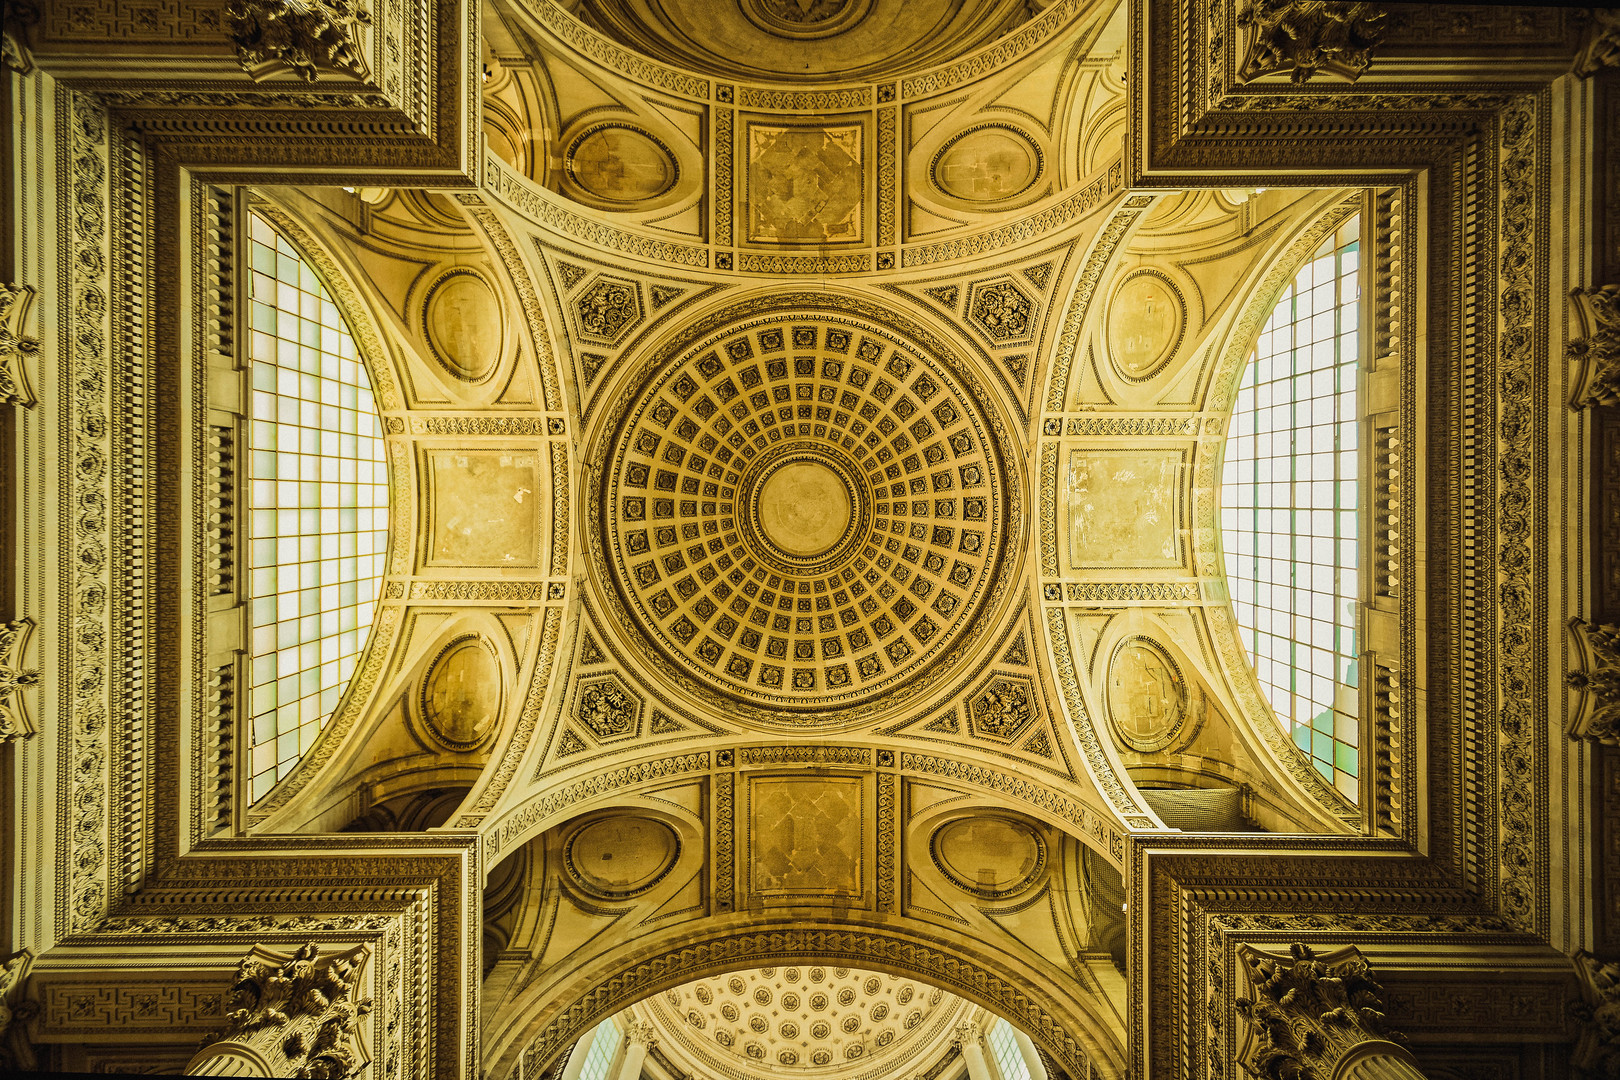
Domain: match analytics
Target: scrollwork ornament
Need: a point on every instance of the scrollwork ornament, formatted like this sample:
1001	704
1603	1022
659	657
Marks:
301	36
1596	679
1597	1050
1601	47
15	1009
1304	37
16	348
1596	353
1308	1013
14	679
292	1013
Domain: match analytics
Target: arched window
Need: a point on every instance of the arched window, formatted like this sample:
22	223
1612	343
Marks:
600	1052
1007	1054
318	506
1289	506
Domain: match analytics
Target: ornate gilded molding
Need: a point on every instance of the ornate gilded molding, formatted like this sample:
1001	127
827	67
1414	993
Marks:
1597	1052
1311	1014
1596	678
16	348
1305	37
14	679
15	1006
1596	353
1601	48
291	1014
301	36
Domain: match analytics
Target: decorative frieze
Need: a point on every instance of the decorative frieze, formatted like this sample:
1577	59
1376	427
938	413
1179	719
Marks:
14	679
1312	1016
1305	37
301	36
1596	678
290	1015
16	348
1596	353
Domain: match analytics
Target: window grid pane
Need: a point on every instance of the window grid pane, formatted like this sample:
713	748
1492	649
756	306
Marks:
1288	509
1009	1057
604	1044
318	506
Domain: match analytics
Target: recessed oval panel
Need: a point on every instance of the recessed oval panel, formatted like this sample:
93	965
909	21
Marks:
621	856
620	164
1147	697
989	856
461	694
987	164
1145	322
464	324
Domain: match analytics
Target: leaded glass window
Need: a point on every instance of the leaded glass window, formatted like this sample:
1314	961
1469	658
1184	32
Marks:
318	506
1008	1055
599	1056
1289	508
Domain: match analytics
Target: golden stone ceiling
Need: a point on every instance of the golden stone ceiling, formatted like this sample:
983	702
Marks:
804	508
803	40
829	1023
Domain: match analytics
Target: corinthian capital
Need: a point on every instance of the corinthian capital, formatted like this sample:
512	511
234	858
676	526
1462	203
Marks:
1596	678
16	348
301	36
290	1015
1305	37
14	679
1596	353
966	1033
641	1033
1311	1012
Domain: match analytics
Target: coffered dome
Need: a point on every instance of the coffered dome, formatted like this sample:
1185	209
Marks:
802	40
829	1023
803	510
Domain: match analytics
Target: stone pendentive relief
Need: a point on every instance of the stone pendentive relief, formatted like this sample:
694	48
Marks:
803	507
782	180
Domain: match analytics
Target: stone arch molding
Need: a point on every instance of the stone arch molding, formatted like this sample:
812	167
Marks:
1061	1017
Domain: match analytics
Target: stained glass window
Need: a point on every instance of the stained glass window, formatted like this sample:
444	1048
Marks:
317	506
1008	1055
1289	508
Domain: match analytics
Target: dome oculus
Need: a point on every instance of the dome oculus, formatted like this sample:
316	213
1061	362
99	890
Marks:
802	511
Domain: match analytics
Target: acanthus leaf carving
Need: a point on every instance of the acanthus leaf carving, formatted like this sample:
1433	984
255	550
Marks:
1597	1051
14	679
1596	678
301	36
1304	37
1596	380
1601	47
292	1013
15	1009
1309	1013
16	348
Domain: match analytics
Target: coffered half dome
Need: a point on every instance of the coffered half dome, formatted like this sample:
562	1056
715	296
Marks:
804	40
803	507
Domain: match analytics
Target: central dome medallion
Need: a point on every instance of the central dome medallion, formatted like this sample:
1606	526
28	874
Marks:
803	509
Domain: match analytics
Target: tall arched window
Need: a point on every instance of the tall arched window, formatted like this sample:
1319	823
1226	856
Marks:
318	506
1289	508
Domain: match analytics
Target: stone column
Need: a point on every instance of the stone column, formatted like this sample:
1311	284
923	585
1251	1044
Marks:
1320	1019
290	1015
971	1043
639	1039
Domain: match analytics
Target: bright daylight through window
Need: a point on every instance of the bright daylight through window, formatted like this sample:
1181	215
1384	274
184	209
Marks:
1289	508
318	506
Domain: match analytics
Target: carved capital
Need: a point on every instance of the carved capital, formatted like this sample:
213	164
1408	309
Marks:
1601	47
1596	678
1596	353
14	679
966	1034
1310	1012
16	348
19	17
15	1010
1597	1052
1305	37
290	1015
301	36
641	1033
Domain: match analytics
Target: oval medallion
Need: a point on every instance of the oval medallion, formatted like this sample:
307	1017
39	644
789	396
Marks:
620	164
1147	699
621	856
988	164
988	856
1145	321
464	325
461	694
